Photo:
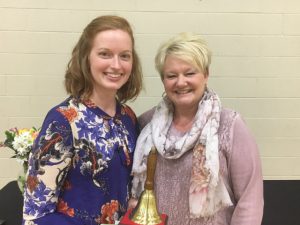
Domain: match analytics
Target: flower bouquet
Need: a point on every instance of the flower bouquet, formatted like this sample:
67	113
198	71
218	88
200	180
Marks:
21	142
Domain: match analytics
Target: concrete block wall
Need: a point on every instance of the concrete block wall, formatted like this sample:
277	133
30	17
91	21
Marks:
255	66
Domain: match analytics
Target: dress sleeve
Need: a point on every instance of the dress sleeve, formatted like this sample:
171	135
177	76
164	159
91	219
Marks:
246	176
49	162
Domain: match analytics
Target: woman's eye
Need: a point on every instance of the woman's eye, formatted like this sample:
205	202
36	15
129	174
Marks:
104	55
190	73
170	76
126	57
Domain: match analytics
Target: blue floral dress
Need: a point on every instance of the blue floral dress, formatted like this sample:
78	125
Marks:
79	169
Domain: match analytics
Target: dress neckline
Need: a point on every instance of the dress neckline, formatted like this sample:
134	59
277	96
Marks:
98	111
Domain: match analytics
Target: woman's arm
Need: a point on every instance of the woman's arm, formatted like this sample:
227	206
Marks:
246	176
48	166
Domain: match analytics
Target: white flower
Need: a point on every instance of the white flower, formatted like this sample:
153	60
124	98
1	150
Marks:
22	144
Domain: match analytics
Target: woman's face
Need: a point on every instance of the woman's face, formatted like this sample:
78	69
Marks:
184	83
111	60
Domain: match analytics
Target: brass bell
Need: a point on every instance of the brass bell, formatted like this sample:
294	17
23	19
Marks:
145	213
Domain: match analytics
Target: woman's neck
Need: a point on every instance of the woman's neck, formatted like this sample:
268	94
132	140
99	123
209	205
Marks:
105	102
183	119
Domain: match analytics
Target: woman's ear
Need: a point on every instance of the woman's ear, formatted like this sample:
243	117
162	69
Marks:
207	73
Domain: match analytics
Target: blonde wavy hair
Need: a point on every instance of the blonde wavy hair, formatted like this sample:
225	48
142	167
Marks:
188	47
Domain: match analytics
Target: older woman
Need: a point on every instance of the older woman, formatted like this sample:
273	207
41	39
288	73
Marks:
208	169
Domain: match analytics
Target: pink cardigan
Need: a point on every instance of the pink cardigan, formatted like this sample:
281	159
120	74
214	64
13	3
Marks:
240	169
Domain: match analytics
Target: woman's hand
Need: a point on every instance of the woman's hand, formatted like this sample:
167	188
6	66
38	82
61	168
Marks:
132	203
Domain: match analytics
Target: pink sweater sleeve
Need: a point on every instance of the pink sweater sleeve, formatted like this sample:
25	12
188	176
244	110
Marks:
145	118
246	176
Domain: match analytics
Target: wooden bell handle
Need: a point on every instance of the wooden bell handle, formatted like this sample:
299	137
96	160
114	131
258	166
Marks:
151	165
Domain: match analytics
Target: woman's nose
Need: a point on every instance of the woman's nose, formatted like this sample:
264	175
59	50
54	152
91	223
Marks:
181	81
116	62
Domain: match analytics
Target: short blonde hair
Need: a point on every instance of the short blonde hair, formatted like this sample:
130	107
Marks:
185	46
78	77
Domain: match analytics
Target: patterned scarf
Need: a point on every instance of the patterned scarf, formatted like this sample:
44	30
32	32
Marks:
207	193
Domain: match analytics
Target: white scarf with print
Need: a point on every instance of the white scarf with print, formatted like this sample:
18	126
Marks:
207	193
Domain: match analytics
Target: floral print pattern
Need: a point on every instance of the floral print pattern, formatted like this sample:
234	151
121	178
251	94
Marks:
109	212
80	166
64	208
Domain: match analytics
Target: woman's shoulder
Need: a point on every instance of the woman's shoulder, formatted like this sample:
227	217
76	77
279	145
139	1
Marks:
231	122
128	111
145	117
227	121
60	112
227	117
230	118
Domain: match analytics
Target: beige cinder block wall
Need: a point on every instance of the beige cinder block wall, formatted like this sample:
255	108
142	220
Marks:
255	67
